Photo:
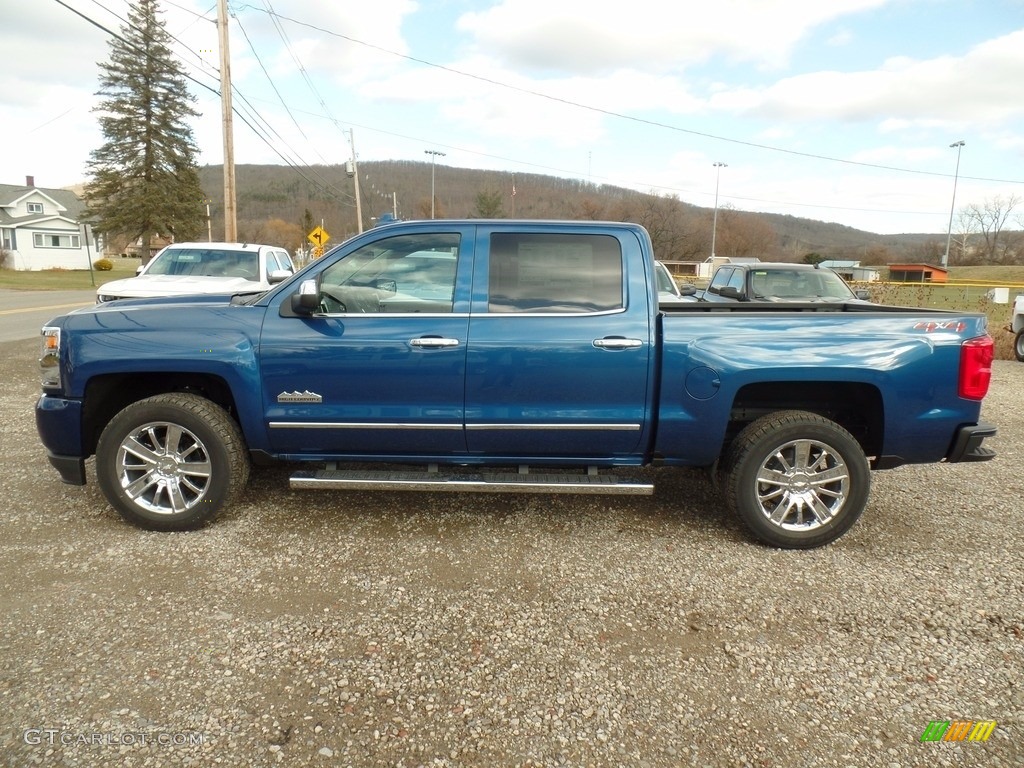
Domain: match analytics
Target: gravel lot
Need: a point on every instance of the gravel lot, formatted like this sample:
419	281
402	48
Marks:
362	629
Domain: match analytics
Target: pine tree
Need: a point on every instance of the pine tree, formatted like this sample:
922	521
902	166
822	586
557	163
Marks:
144	180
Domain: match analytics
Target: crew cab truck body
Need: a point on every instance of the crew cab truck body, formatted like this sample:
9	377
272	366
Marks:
506	356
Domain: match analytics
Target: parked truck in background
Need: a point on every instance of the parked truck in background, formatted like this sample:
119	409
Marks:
521	356
779	282
1017	327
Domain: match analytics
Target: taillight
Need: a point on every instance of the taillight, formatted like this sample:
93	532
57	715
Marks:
975	367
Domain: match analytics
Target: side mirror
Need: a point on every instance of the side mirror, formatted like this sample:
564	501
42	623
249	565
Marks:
306	300
863	294
687	289
278	276
138	270
732	293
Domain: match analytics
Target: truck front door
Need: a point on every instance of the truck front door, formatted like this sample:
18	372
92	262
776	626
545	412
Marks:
380	369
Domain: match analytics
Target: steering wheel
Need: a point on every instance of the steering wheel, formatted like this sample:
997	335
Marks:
331	305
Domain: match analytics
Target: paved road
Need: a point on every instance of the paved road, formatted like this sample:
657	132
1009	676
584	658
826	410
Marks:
22	313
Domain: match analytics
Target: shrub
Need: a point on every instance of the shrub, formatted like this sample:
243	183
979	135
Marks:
103	265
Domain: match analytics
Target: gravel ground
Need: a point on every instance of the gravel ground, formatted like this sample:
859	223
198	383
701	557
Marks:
366	629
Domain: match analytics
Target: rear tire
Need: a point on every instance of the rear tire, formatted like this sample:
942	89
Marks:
171	462
1018	346
796	479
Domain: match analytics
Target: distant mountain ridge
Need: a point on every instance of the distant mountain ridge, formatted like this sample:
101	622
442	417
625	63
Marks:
266	192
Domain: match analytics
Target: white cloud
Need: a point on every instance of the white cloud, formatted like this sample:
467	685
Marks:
587	38
348	41
982	86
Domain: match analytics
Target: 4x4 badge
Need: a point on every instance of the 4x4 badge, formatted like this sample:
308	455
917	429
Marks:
299	397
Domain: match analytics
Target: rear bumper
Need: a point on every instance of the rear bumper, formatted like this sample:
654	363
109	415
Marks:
967	444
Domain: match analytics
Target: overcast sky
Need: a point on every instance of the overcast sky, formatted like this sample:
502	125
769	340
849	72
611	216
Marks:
839	110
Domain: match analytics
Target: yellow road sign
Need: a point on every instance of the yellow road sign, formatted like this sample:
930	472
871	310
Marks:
318	236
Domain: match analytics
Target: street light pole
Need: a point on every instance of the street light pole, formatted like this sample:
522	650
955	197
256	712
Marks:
949	231
714	222
434	154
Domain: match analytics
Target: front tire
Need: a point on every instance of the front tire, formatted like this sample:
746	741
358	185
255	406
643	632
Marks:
797	480
171	462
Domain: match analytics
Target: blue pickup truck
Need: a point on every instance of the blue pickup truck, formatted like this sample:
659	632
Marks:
519	356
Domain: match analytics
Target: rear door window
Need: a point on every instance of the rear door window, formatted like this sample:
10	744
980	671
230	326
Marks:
554	273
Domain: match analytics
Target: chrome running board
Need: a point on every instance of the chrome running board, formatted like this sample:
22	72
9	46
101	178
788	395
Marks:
522	481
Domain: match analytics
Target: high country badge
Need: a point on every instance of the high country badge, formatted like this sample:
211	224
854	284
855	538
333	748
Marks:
299	397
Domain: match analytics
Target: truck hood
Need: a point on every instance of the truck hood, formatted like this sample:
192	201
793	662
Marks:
154	286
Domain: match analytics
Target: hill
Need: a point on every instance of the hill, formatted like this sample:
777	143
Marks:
279	204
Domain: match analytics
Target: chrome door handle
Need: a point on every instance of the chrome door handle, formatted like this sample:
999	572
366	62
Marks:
434	342
618	343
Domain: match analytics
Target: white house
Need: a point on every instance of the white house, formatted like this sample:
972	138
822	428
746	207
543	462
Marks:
39	228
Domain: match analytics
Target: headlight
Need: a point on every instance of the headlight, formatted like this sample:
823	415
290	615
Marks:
49	359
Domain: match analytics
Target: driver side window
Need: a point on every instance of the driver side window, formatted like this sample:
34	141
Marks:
402	274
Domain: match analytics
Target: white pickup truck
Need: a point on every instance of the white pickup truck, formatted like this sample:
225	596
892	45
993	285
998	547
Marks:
183	269
1017	326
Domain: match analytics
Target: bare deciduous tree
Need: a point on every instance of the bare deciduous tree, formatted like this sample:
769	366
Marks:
743	234
989	219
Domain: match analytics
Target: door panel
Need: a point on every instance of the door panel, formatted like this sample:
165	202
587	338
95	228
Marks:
559	348
381	370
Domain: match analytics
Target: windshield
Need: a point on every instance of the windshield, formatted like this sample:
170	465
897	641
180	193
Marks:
206	262
797	284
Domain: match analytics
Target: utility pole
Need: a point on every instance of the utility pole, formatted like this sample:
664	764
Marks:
434	154
714	221
230	209
355	175
959	145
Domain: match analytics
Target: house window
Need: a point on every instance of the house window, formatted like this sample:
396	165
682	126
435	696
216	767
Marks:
35	207
48	240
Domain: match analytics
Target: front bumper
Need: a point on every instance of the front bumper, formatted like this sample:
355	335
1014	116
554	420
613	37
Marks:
967	444
71	468
59	423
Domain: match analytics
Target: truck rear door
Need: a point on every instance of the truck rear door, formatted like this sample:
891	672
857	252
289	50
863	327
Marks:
560	343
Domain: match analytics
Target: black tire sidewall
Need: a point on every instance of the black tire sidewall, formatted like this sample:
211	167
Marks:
742	479
181	410
1018	346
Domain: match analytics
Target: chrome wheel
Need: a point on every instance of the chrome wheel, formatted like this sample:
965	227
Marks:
796	479
164	468
802	485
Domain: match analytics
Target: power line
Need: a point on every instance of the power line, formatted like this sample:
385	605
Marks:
621	115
